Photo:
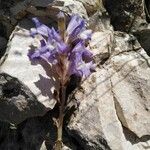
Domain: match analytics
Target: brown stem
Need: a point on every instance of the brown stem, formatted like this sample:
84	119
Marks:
59	143
62	26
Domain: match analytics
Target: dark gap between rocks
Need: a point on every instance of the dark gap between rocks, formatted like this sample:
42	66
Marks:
133	138
147	10
143	39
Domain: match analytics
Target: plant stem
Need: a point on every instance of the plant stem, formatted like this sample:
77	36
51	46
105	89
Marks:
59	143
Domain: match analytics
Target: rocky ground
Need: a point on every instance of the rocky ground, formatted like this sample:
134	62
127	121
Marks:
113	110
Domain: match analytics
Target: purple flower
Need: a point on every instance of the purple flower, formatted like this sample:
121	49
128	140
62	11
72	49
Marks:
75	26
68	53
76	29
40	28
84	69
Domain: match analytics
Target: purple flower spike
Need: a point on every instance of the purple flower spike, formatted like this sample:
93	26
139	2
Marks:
67	54
66	50
77	31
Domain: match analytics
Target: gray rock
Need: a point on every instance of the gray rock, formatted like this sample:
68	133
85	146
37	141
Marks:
37	133
102	44
125	43
17	64
16	101
43	3
27	135
100	21
91	6
130	84
96	125
3	44
114	97
71	7
126	15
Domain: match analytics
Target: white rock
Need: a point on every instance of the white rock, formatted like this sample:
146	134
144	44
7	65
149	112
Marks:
17	64
71	7
91	5
125	43
96	121
130	76
114	97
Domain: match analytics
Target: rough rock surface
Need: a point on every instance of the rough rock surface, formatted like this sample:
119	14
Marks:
3	43
18	99
114	108
143	37
126	15
71	7
32	134
114	98
17	64
91	6
102	45
96	122
130	77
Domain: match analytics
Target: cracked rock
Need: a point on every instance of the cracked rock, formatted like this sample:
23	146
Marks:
114	97
91	6
101	45
71	7
130	77
96	125
131	82
17	102
17	64
125	43
126	15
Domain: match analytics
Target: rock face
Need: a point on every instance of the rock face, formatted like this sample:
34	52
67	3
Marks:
17	64
114	102
91	6
72	7
3	43
114	98
133	104
96	123
126	15
143	37
102	45
18	99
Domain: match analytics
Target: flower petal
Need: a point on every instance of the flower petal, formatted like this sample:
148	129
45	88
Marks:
43	30
33	32
84	69
56	35
40	28
62	47
33	55
36	22
75	26
86	35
